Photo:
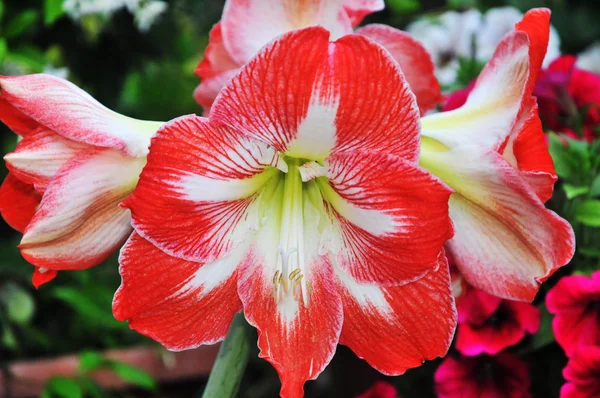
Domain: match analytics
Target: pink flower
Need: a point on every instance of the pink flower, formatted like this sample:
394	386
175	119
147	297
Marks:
247	25
489	324
500	376
381	389
575	303
564	92
582	374
76	162
301	201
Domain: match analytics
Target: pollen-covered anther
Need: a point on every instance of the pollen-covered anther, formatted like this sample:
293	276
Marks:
311	170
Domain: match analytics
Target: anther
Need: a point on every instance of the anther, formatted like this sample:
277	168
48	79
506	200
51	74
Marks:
294	273
276	277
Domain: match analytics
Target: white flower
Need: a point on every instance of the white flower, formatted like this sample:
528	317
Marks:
448	38
147	14
145	11
455	35
590	58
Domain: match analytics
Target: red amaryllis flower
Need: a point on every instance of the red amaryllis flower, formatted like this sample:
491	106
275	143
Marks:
575	303
381	389
500	376
76	162
492	152
569	99
582	374
301	202
489	324
247	25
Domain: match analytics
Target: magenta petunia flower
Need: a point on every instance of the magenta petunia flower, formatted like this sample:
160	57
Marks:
381	389
500	376
489	324
575	302
582	374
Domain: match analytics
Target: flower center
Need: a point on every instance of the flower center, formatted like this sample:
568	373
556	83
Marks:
294	211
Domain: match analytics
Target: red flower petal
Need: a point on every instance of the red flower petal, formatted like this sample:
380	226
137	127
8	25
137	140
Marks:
491	377
79	222
16	120
582	374
179	303
297	336
392	216
202	179
350	91
572	302
248	25
69	111
216	58
38	157
39	278
386	326
414	60
18	202
505	241
536	23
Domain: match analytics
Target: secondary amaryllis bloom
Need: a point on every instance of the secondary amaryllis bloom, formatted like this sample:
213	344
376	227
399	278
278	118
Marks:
301	202
489	324
492	152
582	374
247	25
76	162
569	99
500	376
575	304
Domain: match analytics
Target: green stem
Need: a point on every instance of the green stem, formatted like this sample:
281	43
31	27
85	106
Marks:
231	361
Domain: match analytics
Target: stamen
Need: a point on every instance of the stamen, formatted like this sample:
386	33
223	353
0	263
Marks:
276	277
294	273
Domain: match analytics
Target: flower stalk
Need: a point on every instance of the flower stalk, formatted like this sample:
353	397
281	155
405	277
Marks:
229	367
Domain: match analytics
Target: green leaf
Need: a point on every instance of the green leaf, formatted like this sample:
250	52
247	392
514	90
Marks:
572	191
595	188
589	251
3	49
64	388
403	6
462	4
19	24
90	361
86	307
132	374
1	9
19	304
53	9
560	154
544	336
588	213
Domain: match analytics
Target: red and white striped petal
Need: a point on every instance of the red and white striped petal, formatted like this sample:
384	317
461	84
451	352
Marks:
72	113
491	110
18	202
527	150
202	179
392	217
345	95
16	120
506	243
181	304
298	323
358	9
216	58
39	156
396	328
79	222
248	25
414	60
208	89
536	24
